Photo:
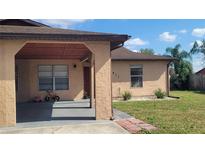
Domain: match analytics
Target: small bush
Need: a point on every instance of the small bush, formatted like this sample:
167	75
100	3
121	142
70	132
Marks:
159	93
126	95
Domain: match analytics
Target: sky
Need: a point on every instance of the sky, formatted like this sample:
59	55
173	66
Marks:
156	34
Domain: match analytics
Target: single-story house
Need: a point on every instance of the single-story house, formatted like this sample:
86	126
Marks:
35	58
201	72
138	73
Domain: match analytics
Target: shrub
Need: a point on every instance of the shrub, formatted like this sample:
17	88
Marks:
126	95
159	93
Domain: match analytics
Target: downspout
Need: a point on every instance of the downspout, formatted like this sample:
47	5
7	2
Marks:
168	79
119	46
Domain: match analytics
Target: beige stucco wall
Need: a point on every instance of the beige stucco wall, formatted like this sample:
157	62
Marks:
102	75
8	50
154	76
28	79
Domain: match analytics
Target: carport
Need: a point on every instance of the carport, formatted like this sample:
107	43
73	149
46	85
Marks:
15	38
58	67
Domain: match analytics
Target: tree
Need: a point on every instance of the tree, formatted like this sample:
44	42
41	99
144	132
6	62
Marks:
182	67
198	48
147	51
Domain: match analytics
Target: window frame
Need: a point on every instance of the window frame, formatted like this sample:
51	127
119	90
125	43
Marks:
53	77
142	75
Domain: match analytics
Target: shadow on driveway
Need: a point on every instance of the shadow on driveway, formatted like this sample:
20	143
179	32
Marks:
48	111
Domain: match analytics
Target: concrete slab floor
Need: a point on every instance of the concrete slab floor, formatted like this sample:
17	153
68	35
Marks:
57	111
72	117
94	127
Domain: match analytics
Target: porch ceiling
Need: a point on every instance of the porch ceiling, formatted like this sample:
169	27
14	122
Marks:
53	51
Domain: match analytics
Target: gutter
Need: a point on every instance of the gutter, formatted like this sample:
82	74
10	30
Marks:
119	45
116	47
76	37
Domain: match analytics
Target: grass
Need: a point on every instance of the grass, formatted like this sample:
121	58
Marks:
182	116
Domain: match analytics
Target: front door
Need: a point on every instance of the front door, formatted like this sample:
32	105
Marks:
86	71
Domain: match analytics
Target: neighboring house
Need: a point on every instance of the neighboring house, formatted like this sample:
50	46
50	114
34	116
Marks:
197	80
138	73
201	72
35	57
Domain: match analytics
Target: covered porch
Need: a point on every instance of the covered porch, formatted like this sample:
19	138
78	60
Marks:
24	49
66	69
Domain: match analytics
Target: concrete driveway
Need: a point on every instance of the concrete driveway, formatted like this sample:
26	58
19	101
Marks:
85	127
48	111
61	117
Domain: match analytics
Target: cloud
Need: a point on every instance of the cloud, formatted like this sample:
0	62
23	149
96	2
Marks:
132	44
183	31
135	50
198	32
62	23
198	41
167	37
136	42
198	62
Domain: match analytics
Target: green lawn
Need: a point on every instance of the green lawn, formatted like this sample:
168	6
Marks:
186	115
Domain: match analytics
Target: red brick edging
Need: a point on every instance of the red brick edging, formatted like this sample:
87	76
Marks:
134	125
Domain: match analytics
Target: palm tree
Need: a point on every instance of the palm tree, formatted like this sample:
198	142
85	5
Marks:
182	67
177	53
147	51
198	48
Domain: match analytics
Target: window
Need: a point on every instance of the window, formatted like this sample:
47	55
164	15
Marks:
136	73
53	77
60	73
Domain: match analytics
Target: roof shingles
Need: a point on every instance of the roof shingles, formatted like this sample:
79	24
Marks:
49	33
44	30
128	55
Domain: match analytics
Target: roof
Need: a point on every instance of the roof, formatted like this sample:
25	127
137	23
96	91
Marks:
45	30
25	22
49	33
124	54
202	71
